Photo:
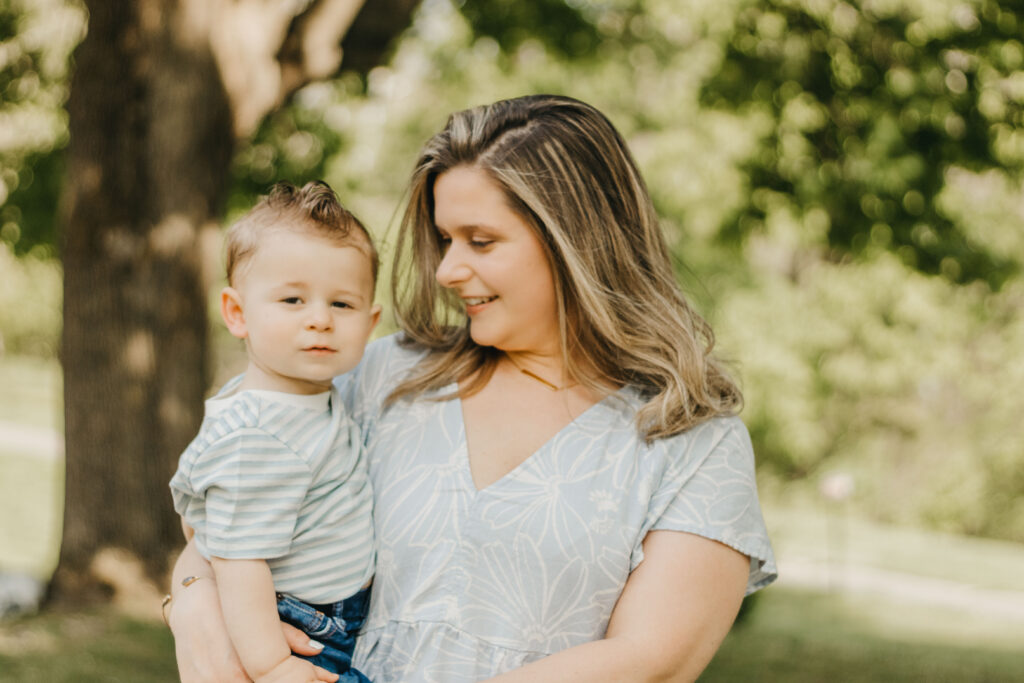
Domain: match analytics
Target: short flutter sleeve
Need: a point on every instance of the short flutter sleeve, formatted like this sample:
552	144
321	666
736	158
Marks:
254	486
364	390
707	487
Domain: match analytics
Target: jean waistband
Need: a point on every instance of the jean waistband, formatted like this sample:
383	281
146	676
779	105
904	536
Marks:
357	602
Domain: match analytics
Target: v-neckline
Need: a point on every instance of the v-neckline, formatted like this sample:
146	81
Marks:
466	467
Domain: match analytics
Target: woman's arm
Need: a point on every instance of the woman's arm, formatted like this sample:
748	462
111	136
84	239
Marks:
201	642
675	610
246	591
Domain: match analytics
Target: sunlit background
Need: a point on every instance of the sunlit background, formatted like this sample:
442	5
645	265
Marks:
841	184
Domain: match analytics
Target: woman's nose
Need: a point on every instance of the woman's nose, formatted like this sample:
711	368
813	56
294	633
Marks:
453	269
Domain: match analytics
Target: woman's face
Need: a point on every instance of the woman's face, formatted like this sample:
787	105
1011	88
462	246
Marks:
495	263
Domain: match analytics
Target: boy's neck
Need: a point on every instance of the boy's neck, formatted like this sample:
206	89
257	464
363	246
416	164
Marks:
256	379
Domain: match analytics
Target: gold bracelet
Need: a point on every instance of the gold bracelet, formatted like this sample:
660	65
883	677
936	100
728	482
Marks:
167	599
189	580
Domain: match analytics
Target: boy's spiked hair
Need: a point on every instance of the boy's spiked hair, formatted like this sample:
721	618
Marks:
313	208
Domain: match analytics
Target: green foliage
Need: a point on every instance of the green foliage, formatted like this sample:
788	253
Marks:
898	378
36	40
293	143
30	304
863	363
840	184
870	106
560	25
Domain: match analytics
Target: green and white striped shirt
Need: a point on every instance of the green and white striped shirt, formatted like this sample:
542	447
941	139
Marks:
281	477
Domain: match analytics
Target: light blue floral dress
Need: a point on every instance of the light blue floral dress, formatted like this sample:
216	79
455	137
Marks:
470	583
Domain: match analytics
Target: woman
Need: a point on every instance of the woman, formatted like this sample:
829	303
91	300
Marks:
562	490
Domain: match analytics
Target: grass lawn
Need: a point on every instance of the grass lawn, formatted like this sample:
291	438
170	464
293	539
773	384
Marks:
792	637
799	637
84	648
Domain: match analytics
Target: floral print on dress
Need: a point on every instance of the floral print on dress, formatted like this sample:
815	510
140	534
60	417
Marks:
471	583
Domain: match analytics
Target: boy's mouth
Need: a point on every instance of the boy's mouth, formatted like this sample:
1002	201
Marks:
319	349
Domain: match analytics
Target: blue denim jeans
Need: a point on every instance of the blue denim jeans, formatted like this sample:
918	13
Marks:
334	625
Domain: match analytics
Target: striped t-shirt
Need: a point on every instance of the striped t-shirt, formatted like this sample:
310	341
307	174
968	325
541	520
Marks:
281	477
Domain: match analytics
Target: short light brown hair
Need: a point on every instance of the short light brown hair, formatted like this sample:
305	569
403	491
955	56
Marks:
314	208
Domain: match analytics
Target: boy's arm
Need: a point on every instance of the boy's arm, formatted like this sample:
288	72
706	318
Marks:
250	612
187	530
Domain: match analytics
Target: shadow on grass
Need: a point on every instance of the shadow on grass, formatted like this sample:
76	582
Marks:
801	637
792	637
92	647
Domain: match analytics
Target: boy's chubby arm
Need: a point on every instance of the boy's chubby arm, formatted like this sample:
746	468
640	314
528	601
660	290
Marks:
250	612
187	530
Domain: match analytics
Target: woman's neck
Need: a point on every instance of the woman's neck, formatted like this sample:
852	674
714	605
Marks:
546	368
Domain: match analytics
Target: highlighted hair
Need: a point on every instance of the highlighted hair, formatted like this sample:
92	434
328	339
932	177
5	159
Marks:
623	319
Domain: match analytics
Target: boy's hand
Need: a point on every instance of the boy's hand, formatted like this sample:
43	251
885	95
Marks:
296	670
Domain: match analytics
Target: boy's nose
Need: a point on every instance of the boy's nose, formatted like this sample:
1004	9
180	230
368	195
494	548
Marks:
319	318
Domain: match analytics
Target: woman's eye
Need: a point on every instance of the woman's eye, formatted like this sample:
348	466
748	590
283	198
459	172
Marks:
480	244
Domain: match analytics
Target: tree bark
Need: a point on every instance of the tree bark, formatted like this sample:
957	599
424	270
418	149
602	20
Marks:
150	143
154	115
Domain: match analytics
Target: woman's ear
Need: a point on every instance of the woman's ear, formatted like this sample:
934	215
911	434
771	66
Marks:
231	311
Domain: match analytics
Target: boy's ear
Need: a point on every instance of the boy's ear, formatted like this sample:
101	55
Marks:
231	311
374	316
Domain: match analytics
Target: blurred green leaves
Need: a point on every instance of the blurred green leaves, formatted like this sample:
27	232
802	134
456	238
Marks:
873	105
840	183
36	39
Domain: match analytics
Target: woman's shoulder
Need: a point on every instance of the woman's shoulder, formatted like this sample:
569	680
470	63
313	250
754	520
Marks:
715	430
385	363
389	359
721	438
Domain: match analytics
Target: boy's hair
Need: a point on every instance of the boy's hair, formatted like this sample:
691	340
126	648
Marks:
314	208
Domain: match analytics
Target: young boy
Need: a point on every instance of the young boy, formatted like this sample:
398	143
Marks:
274	486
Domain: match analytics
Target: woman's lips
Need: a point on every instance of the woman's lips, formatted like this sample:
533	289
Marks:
475	304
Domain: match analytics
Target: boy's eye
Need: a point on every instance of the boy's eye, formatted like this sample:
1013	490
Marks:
291	300
340	304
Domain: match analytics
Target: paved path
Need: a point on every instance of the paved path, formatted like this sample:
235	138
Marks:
31	441
902	587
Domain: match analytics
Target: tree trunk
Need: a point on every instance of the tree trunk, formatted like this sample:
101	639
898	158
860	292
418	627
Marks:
161	91
150	143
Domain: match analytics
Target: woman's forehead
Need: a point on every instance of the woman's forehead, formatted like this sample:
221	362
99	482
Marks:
465	197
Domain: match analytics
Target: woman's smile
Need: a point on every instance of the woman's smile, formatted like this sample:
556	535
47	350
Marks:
495	262
477	304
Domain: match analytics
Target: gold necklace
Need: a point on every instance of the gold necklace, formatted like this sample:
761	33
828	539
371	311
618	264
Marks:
532	375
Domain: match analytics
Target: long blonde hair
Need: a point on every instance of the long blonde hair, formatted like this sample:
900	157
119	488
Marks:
623	319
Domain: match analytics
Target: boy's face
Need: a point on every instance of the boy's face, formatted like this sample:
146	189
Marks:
305	307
